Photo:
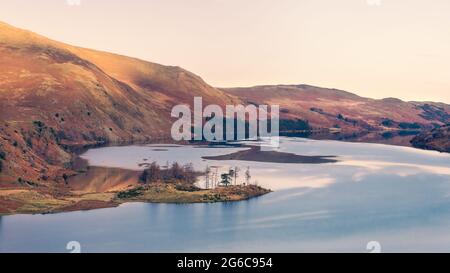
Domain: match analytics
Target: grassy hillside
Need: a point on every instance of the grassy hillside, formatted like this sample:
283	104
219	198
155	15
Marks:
54	96
327	108
436	139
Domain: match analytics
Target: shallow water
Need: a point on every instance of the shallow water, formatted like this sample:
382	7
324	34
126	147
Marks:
397	196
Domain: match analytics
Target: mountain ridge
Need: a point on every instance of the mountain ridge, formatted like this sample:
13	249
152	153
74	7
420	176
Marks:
54	96
330	107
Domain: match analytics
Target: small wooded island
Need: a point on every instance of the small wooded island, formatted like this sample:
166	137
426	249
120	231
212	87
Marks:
176	184
169	184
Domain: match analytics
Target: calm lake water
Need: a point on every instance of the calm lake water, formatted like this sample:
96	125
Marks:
397	196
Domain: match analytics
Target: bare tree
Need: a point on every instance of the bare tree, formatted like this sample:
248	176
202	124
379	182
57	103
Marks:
189	172
231	174
236	174
207	176
151	174
214	176
247	176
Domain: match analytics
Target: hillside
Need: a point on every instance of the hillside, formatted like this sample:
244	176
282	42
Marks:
55	96
436	139
327	108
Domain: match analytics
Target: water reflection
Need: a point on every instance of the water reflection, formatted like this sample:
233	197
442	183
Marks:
355	161
102	179
340	217
398	196
397	137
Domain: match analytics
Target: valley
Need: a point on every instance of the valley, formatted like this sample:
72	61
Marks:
56	99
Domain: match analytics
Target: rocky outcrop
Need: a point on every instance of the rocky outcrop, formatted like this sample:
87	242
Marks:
436	139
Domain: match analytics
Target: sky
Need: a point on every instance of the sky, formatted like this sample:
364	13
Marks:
374	48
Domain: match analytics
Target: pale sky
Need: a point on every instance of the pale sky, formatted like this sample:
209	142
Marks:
399	48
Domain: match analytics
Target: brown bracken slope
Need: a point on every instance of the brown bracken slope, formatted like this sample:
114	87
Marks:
436	139
54	96
327	108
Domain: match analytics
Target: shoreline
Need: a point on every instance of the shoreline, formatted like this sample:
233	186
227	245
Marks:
29	199
156	193
255	154
103	187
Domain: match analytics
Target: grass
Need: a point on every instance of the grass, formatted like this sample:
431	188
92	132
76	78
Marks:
32	202
130	193
171	193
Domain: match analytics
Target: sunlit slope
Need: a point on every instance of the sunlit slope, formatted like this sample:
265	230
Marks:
54	95
436	139
327	108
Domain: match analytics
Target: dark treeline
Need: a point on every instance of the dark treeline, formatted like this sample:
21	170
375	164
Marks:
224	129
174	173
2	157
285	125
294	125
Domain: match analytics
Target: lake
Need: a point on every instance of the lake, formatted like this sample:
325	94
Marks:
396	196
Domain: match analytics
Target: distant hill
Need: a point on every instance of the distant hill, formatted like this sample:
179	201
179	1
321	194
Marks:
55	97
436	139
328	108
